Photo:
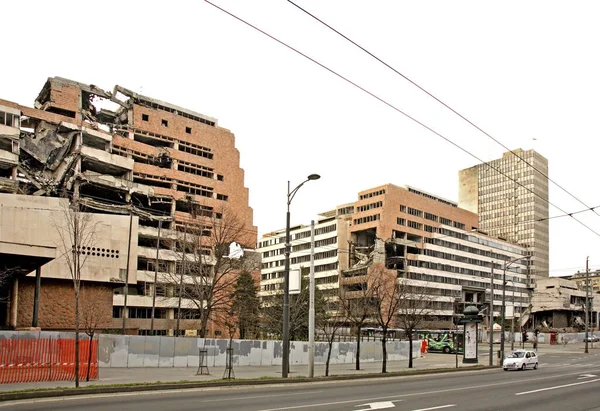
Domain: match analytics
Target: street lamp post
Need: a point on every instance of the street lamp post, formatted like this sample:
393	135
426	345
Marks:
286	279
587	303
503	310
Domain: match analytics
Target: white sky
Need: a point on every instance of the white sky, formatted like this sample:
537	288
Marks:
519	70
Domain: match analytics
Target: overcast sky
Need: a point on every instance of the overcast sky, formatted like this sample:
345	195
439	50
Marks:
526	72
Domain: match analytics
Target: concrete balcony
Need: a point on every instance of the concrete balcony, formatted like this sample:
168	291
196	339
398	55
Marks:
105	163
10	132
146	301
8	159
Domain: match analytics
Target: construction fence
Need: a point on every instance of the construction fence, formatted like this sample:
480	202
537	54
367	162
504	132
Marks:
35	357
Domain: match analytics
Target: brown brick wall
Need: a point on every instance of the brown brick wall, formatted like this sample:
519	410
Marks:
57	303
65	97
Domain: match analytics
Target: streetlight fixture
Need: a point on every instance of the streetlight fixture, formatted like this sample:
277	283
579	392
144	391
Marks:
286	278
507	264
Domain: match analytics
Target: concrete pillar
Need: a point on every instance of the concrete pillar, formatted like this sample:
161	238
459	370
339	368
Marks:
36	297
14	302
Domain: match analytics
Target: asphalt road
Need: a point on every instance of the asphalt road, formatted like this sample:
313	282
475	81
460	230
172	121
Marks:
563	382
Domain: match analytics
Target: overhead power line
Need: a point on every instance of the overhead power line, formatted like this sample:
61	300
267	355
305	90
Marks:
588	208
335	73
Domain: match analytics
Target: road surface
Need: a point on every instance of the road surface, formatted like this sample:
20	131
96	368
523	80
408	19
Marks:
564	381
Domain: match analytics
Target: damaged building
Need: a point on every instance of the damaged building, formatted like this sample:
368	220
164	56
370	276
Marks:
423	239
158	166
558	304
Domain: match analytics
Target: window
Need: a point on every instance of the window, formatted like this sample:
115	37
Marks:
222	197
431	217
188	130
145	117
415	212
117	312
403	209
445	221
164	123
219	177
415	225
400	221
8	119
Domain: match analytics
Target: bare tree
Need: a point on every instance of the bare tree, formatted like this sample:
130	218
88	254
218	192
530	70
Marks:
272	311
414	306
94	317
208	273
330	323
387	296
359	306
77	233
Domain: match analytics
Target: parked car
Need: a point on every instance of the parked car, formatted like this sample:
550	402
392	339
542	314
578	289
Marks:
592	338
521	360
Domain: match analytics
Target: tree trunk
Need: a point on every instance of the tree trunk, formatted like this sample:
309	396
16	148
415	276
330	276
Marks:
358	349
410	350
87	377
330	343
384	350
76	338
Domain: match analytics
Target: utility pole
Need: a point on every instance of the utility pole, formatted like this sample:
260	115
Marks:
492	316
512	320
587	302
311	310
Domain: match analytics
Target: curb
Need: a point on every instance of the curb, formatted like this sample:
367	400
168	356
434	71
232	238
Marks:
67	392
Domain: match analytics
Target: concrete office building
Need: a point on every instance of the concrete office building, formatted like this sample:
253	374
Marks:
416	237
124	154
510	195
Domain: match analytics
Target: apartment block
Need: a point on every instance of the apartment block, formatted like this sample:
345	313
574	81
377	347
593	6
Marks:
510	196
172	173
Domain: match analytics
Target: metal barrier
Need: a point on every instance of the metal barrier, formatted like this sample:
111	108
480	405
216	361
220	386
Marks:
37	360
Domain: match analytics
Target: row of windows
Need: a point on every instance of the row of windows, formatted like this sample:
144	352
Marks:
279	274
455	246
139	312
318	231
9	119
195	169
195	149
297	260
441	200
345	210
319	243
196	189
366	219
371	206
372	194
146	117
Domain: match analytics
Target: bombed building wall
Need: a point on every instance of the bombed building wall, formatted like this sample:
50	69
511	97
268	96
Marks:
118	152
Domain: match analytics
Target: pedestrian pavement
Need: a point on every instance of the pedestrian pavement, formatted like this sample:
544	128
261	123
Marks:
110	376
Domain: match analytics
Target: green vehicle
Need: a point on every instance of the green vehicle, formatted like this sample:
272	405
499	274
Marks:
442	341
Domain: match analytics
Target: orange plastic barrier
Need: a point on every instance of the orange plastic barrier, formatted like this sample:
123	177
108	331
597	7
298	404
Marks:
37	360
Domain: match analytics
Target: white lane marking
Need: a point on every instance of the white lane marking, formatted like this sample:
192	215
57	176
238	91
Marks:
584	376
436	408
376	406
331	403
556	387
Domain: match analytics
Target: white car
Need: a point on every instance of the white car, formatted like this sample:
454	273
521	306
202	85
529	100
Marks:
521	360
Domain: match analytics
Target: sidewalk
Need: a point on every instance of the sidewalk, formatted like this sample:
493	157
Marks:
149	375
